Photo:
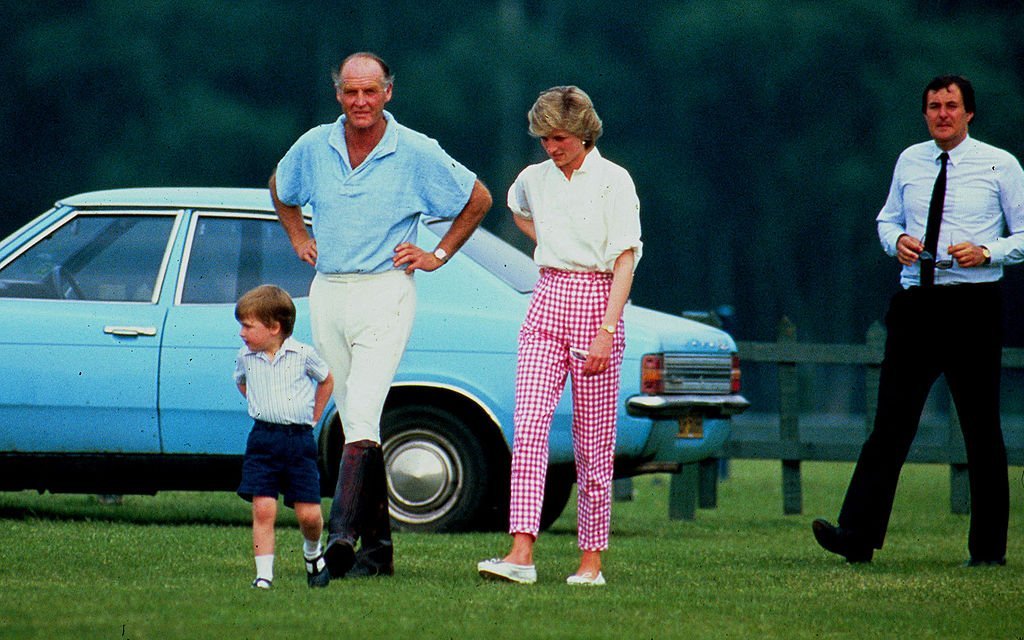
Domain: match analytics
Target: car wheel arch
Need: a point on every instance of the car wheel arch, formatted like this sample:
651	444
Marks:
468	424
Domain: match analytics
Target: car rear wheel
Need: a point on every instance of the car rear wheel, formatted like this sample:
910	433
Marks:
437	472
557	489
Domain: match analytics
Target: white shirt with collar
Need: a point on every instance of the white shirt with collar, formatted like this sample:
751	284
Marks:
984	195
582	224
282	390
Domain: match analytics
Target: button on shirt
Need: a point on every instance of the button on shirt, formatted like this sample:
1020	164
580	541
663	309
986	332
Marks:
582	224
281	390
360	215
984	192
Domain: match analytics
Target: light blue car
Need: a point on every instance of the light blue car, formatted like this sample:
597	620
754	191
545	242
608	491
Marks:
118	339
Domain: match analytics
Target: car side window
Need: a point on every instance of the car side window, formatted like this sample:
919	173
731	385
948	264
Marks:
100	257
231	255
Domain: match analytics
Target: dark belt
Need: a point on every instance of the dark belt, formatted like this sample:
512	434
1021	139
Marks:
263	425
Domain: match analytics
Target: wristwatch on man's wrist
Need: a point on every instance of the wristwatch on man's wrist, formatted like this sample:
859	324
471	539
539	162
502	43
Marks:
988	255
609	328
441	255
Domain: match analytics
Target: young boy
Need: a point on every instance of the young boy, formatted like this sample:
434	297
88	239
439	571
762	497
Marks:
287	386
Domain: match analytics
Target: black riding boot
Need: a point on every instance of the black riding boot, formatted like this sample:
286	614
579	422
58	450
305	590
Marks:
376	555
345	523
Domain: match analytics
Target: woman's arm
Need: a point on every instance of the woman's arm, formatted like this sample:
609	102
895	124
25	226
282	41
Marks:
526	226
622	282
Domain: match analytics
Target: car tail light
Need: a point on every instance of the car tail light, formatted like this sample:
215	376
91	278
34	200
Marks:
734	376
652	374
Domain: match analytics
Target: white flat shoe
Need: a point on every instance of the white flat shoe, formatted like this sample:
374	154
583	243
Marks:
587	579
261	583
498	569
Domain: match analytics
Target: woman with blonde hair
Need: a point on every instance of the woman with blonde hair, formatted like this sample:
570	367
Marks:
582	212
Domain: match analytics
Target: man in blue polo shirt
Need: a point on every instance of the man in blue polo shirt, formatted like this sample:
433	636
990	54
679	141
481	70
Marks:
367	180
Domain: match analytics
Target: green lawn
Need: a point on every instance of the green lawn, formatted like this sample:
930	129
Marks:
178	565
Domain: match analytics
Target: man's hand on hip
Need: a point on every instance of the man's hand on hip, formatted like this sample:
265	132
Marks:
415	258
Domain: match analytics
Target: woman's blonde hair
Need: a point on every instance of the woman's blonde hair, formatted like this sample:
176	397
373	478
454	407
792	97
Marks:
568	108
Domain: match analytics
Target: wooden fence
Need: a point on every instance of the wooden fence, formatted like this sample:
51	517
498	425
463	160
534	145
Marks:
785	433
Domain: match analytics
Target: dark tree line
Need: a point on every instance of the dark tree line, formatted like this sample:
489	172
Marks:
761	135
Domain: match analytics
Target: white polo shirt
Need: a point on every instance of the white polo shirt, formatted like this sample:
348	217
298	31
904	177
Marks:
582	224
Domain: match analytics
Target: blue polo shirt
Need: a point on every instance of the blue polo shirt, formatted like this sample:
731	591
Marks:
360	215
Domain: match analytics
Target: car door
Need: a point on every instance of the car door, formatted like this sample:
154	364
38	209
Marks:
80	331
226	254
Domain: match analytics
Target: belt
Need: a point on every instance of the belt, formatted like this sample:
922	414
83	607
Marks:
263	425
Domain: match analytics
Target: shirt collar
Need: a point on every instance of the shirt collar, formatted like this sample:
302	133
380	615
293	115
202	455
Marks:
589	159
592	157
956	154
287	345
387	145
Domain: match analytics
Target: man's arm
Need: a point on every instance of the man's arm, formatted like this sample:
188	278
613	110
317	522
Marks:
294	225
462	227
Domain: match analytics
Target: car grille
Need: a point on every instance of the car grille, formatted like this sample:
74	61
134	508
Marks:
697	373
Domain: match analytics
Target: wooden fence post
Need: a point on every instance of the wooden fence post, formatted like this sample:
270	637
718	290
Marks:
959	487
707	485
875	341
682	493
789	422
622	490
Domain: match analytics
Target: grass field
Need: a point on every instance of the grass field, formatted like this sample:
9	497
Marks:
178	565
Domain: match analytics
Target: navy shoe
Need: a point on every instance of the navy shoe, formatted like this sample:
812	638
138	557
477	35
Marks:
840	542
316	572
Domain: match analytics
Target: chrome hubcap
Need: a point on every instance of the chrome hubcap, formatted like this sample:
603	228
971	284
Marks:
424	476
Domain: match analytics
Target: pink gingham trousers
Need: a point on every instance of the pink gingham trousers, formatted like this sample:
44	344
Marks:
566	310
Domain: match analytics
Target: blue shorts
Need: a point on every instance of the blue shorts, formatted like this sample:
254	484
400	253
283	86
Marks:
280	459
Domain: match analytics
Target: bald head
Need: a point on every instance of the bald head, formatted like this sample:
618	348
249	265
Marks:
364	63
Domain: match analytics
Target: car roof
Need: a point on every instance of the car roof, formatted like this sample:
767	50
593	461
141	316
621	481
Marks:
184	197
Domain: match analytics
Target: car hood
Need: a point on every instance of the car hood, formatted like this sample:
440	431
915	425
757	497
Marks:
650	331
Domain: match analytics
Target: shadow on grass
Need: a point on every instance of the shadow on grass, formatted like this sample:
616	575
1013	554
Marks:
140	510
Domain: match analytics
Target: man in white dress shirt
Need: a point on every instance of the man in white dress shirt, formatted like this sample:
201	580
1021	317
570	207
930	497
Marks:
949	202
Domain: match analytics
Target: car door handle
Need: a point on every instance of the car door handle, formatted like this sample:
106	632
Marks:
129	331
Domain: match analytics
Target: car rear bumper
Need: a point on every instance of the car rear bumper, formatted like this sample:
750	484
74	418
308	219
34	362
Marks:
675	406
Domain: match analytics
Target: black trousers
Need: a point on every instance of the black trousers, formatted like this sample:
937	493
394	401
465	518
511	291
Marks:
955	331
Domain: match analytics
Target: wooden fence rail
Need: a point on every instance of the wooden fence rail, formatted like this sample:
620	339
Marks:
778	435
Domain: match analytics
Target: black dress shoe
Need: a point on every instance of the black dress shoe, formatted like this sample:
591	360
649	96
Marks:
339	556
839	542
976	562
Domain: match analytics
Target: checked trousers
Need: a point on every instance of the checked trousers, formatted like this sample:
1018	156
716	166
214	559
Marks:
566	310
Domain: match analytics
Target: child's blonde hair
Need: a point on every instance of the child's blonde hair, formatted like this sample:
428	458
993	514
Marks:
268	304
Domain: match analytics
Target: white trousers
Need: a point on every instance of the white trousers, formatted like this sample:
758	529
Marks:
361	325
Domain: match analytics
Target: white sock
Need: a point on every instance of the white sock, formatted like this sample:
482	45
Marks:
311	548
265	567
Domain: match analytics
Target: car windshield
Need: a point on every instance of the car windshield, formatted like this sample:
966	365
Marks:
508	263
